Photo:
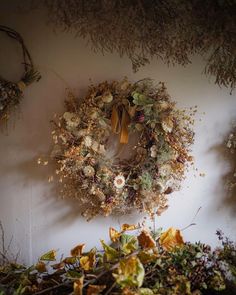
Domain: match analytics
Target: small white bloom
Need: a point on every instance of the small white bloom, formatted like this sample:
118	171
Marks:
167	125
89	171
87	141
153	151
72	119
119	181
107	97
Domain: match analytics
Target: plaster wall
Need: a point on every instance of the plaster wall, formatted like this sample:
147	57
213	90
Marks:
30	209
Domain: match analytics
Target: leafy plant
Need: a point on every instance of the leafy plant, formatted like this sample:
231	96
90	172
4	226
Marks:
145	263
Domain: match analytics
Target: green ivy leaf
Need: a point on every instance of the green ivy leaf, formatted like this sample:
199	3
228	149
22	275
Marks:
128	243
49	256
110	253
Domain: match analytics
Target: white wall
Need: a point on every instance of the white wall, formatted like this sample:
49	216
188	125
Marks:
30	209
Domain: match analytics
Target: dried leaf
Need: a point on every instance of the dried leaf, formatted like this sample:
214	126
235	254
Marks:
41	267
145	240
126	227
87	262
128	244
147	257
110	253
114	234
171	238
77	251
78	286
70	260
95	289
130	273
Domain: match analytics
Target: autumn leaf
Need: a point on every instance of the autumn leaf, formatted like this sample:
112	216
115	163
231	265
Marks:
70	260
145	240
77	251
95	289
114	234
41	267
49	256
130	273
87	262
147	257
78	286
110	253
171	239
128	244
128	291
126	227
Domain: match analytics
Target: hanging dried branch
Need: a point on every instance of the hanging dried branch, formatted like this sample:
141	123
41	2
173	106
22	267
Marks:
172	30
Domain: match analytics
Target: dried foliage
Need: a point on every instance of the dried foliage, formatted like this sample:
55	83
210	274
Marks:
92	170
11	93
172	30
144	263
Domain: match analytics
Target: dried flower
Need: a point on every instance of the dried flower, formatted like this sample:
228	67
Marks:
119	181
153	150
89	171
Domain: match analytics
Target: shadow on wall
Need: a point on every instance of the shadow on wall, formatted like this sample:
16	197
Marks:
228	200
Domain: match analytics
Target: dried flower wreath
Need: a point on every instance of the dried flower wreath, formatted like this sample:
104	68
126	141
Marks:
170	30
11	93
105	182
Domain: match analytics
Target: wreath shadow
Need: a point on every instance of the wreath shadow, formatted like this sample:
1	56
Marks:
228	199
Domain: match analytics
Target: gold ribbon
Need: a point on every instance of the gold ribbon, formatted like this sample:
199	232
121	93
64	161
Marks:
121	118
21	85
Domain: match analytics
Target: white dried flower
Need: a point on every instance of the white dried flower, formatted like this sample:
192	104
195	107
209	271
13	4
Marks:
88	141
119	181
89	171
153	150
107	97
167	125
72	119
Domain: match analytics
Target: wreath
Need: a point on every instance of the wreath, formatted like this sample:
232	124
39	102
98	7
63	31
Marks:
137	116
11	93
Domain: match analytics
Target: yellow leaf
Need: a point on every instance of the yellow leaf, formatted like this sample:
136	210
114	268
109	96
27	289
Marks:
130	273
145	240
41	267
147	257
95	289
77	251
49	256
114	234
78	286
126	227
171	238
87	262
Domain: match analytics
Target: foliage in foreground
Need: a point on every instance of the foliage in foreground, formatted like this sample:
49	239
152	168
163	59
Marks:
144	263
